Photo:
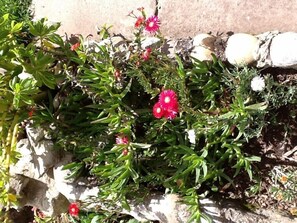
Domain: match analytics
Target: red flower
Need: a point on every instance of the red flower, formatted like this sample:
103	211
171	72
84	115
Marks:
74	46
167	106
168	100
122	140
139	22
152	24
158	112
31	112
171	113
73	209
146	54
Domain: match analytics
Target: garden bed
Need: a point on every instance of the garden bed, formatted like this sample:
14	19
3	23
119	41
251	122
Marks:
101	130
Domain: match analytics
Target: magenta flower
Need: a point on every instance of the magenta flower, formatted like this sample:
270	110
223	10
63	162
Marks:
168	100
158	112
122	140
171	113
73	209
152	24
167	106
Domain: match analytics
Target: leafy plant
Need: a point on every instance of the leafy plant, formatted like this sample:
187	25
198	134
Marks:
135	119
25	69
284	184
18	9
110	96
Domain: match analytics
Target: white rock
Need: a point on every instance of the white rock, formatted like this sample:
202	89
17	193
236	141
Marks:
283	50
149	42
31	179
203	46
73	190
34	134
204	40
242	49
201	53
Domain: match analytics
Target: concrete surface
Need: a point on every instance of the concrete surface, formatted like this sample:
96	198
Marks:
178	18
82	16
189	17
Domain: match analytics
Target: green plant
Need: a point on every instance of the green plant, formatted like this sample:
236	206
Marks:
18	9
284	184
108	108
111	95
25	69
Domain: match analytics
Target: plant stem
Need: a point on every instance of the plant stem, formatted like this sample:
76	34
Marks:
9	147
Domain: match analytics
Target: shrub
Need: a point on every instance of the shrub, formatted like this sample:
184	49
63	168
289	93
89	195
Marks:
135	119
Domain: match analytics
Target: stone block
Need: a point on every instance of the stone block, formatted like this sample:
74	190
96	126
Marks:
189	17
82	16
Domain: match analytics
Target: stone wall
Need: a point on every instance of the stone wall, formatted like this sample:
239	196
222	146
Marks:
179	19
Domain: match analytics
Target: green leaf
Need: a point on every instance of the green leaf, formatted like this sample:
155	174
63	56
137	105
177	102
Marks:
259	106
96	219
16	27
140	145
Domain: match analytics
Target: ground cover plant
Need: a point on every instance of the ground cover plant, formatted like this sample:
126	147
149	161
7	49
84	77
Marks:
136	120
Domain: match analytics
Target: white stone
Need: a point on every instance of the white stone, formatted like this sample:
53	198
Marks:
205	40
242	49
149	42
31	178
73	190
283	50
201	53
34	134
203	46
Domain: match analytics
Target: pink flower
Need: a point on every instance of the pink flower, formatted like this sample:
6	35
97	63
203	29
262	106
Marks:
120	139
171	113
74	46
73	209
152	24
167	106
168	100
139	22
146	54
158	112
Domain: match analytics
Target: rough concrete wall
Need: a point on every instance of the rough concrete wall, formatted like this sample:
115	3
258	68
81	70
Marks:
82	16
179	18
189	17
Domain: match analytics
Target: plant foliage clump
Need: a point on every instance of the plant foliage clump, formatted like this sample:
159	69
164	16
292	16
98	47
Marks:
99	99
